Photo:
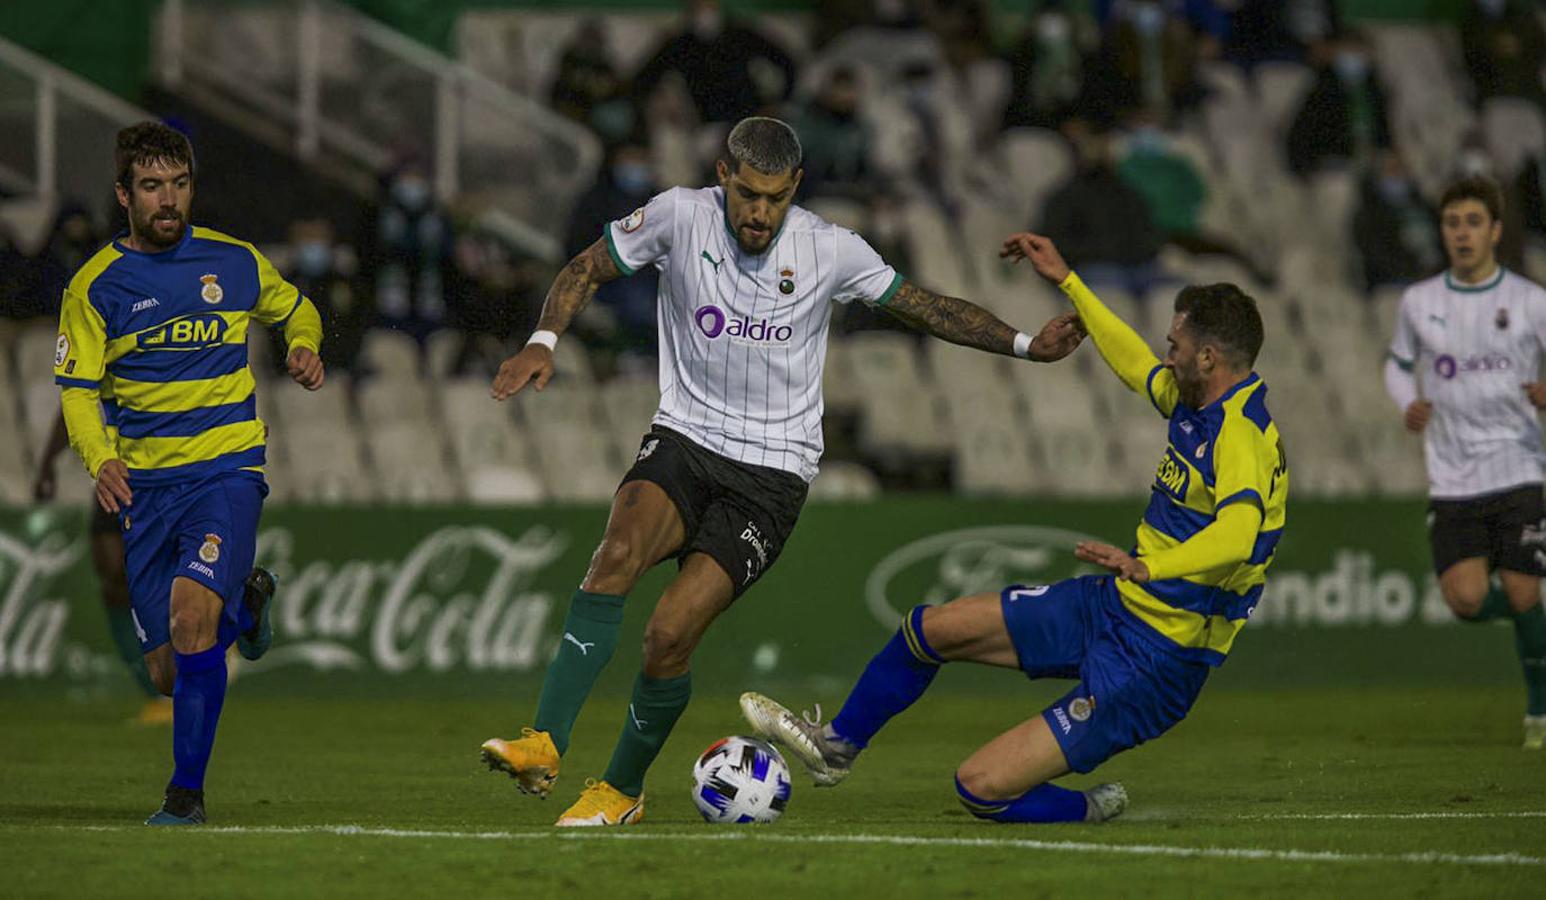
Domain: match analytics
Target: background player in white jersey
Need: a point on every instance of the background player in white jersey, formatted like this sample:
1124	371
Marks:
1464	368
745	300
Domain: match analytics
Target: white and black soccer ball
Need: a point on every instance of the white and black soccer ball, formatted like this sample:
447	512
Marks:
740	780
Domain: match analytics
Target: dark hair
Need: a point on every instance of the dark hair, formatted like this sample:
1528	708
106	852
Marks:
1223	315
767	145
148	143
1475	187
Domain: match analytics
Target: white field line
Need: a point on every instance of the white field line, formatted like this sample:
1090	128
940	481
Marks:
1279	817
1249	854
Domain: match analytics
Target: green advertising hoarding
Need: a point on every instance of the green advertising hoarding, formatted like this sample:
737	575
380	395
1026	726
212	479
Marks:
470	600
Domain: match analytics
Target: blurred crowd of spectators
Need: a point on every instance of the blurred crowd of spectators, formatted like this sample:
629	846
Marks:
898	101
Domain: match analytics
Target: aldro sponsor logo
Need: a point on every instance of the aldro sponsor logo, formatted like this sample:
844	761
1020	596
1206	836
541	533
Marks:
714	322
195	331
1173	475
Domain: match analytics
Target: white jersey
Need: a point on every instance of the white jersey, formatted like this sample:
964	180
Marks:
1472	347
743	338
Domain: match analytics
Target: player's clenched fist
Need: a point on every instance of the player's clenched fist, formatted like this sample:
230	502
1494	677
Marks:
533	364
305	366
1039	249
1417	416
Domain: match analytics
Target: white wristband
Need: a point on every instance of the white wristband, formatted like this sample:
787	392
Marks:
549	339
1023	345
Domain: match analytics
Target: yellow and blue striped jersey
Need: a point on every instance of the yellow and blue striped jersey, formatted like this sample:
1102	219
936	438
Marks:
162	339
1227	452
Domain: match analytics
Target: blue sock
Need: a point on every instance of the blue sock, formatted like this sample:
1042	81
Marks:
895	678
197	696
1042	803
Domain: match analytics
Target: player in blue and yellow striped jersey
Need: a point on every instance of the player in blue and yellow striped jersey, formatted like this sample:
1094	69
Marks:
1141	643
159	403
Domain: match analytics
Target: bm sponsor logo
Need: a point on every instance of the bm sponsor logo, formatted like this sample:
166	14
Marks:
181	334
1173	475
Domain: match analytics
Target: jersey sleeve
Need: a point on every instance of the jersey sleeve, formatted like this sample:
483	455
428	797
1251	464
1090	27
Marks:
1122	349
1403	344
80	353
860	274
643	236
1243	463
282	305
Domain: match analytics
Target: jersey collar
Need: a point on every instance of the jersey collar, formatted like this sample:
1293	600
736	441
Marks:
1489	284
1239	386
168	253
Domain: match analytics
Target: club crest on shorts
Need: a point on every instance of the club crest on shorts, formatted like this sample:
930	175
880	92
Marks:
212	292
786	281
210	552
1080	708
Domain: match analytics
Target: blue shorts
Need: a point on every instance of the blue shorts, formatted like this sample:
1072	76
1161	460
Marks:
206	531
1130	689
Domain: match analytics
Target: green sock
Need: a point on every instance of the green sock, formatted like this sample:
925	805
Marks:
120	623
1494	606
656	705
590	636
1530	641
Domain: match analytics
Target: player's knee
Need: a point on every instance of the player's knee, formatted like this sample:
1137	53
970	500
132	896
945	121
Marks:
162	675
191	631
615	566
667	649
980	782
1465	604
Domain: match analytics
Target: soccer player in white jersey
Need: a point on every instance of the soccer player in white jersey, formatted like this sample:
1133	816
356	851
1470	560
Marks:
745	297
1464	369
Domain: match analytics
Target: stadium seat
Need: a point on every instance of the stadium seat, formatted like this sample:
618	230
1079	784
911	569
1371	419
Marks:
440	351
840	481
297	406
935	252
1035	161
396	399
391	353
839	211
911	422
1079	461
884	361
326	463
841	391
629	403
481	431
1280	90
561	402
40	409
492	485
1515	132
35	353
993	457
410	464
574	465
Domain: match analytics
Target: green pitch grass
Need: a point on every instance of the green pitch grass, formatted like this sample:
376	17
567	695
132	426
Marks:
1370	792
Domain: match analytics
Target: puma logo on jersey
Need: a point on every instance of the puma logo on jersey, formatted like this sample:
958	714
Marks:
715	262
583	645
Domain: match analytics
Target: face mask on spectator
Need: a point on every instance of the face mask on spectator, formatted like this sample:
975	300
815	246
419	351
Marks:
1148	139
1352	66
1148	18
632	177
313	258
411	193
1395	188
1053	28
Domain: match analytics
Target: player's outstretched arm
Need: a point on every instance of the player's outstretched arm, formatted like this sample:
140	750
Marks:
1119	345
571	290
963	322
1226	542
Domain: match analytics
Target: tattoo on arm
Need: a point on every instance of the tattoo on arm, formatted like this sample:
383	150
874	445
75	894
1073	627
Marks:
951	319
575	285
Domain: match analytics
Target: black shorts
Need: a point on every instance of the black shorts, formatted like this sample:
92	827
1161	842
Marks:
737	513
102	521
1506	528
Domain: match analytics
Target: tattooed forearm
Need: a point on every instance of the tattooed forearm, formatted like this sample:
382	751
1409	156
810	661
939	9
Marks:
952	319
575	285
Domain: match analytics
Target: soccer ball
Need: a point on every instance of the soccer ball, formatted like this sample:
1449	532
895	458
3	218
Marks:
740	780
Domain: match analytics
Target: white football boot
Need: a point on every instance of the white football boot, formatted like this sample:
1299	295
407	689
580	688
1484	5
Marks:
827	759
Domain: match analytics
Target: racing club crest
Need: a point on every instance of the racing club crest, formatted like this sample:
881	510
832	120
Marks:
210	552
786	282
211	292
